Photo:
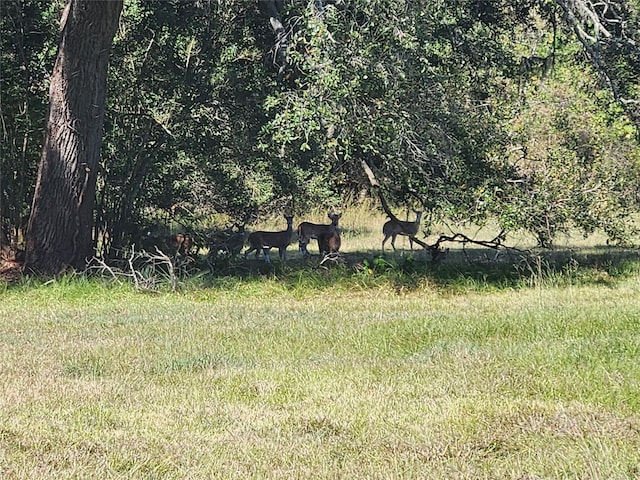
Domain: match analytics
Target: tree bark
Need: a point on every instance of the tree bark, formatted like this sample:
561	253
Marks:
60	225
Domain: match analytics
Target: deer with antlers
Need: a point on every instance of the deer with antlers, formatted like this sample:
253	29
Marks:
308	231
265	241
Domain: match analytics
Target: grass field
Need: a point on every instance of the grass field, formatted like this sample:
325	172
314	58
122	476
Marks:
374	369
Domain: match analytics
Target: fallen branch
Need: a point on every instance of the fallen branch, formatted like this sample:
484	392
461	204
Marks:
495	243
145	269
334	257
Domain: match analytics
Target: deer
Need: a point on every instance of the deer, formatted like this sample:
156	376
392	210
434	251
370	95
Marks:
438	255
182	243
265	241
230	240
236	240
158	237
329	241
395	227
308	230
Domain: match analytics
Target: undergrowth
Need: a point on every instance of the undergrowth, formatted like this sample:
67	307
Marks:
356	272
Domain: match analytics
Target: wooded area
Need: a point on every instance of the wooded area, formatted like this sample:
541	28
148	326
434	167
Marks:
218	112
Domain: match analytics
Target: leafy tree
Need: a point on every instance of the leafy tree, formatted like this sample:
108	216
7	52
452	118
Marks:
427	94
185	96
576	160
27	50
223	111
610	34
412	87
574	150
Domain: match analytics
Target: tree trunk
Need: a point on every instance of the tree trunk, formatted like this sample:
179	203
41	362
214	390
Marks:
60	225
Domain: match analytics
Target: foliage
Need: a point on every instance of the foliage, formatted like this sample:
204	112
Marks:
404	99
434	98
609	32
180	108
575	159
456	105
27	52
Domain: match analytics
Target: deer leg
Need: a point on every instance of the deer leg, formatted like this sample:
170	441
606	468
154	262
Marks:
393	241
411	242
386	237
302	245
267	258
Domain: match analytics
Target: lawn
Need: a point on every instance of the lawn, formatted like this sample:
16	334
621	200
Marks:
384	369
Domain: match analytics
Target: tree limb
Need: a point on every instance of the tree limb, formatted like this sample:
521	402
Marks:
376	187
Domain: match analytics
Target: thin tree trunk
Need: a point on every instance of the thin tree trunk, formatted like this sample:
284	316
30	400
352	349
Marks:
60	225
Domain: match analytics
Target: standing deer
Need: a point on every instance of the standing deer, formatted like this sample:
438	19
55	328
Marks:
329	241
308	230
265	241
229	241
395	227
236	240
157	236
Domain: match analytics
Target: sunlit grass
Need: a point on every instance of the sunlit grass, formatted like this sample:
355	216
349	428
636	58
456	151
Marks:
262	381
379	367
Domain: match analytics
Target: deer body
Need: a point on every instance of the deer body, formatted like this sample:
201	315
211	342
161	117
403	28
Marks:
158	237
308	230
228	241
329	242
265	241
396	227
181	243
438	255
236	240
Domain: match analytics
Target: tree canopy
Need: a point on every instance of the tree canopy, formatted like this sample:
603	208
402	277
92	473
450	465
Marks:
525	112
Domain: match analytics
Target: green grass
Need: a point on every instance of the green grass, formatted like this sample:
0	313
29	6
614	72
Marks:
261	380
521	368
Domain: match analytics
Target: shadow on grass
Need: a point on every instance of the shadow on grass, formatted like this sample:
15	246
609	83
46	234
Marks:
471	269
